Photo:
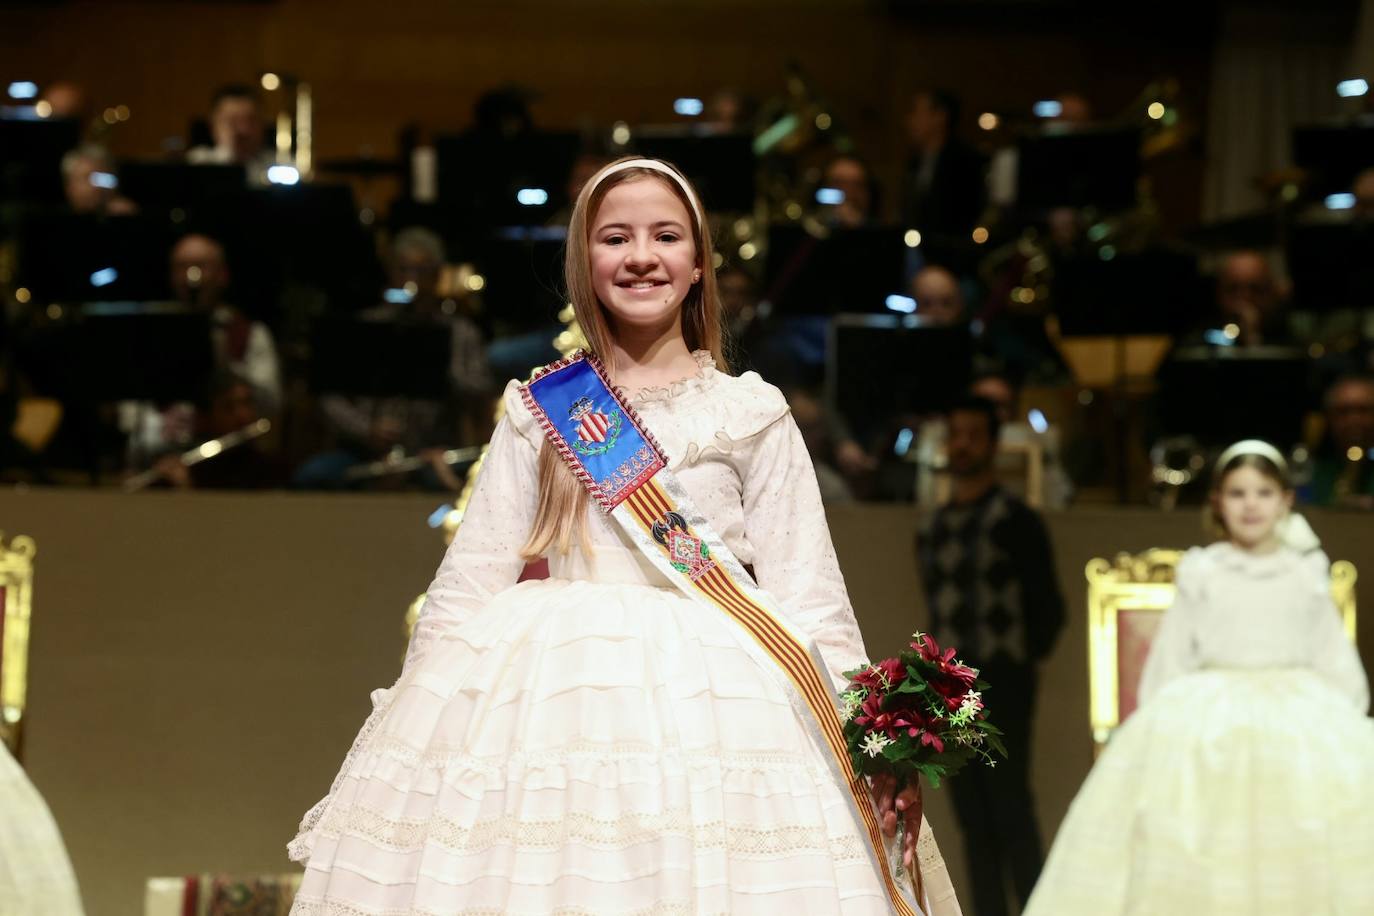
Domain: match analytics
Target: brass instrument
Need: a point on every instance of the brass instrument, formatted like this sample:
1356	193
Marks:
203	452
1175	462
293	137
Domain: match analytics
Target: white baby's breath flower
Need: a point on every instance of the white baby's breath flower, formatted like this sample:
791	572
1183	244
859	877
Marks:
874	743
850	704
973	699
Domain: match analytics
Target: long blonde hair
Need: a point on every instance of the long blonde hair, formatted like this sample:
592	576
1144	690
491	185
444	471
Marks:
561	517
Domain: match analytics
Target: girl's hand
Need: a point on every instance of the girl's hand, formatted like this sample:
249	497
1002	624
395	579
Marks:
890	804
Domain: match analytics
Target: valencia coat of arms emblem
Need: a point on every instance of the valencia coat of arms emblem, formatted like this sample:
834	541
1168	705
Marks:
596	431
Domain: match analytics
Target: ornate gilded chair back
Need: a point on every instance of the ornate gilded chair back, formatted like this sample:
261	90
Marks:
1127	598
16	595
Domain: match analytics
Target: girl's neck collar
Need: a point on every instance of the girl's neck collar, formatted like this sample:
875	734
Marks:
1271	545
652	361
700	376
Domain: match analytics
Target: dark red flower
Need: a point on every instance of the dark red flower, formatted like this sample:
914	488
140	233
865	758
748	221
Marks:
929	739
924	726
945	663
883	676
950	689
873	718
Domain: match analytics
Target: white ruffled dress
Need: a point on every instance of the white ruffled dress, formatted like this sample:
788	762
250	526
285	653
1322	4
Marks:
36	877
1244	784
597	742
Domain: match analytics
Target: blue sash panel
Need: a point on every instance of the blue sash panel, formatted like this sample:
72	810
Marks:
594	430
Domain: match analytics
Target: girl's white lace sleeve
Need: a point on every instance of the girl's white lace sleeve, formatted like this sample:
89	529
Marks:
484	558
794	558
1334	656
1173	651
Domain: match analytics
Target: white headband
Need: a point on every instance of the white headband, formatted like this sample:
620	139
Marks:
1253	447
656	166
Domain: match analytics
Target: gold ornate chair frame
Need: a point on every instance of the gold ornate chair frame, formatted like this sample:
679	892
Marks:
1142	586
16	596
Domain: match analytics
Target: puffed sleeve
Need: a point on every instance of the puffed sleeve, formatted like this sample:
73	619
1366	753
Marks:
1334	656
1174	651
794	559
484	558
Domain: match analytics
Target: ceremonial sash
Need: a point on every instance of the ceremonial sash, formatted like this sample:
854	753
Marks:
616	458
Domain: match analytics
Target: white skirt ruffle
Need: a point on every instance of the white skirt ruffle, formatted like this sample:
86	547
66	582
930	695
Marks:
36	876
584	748
1231	792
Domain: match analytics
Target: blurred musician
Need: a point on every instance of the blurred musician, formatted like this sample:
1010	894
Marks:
939	298
857	207
944	192
366	429
88	178
1249	302
199	279
199	276
1343	472
230	410
238	132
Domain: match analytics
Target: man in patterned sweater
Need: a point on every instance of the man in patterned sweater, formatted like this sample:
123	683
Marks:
988	570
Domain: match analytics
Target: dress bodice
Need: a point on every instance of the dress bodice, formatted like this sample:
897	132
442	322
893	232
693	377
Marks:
710	427
731	442
1237	609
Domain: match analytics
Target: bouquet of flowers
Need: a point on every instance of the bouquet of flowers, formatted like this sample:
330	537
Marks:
920	714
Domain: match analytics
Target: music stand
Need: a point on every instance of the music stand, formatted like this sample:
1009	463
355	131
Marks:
1222	396
481	177
306	234
1115	321
74	257
720	165
1334	154
124	351
1149	292
881	366
382	359
850	270
1332	265
163	187
107	352
1095	167
31	152
524	277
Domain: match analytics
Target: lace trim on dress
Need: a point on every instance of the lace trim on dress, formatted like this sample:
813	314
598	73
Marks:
298	850
1262	565
443	757
320	906
700	380
577	827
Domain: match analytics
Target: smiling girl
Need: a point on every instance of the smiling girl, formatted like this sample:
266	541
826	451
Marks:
637	733
1244	784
